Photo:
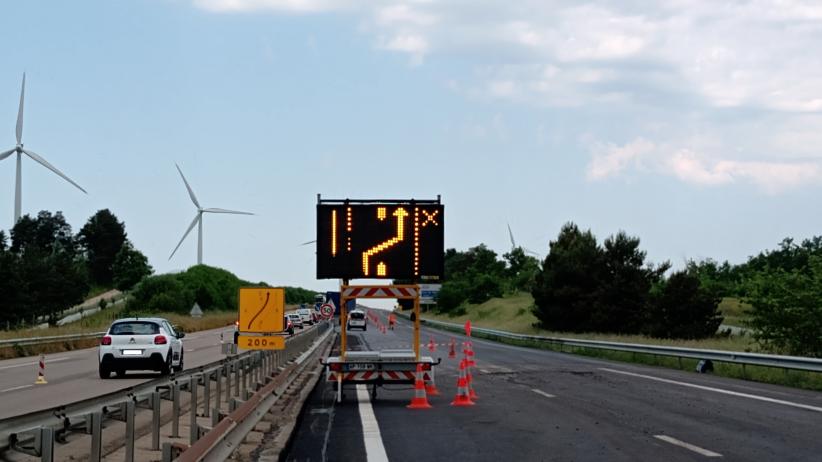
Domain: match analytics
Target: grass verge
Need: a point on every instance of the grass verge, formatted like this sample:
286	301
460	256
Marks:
513	314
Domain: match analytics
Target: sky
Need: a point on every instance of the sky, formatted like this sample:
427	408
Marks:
694	125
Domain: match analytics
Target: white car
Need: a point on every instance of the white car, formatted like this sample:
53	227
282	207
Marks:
306	316
296	319
132	344
356	319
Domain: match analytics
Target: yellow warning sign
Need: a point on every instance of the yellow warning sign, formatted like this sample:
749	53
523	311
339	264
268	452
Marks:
247	342
261	309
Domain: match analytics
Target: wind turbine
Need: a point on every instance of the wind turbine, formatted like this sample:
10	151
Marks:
198	220
18	194
514	244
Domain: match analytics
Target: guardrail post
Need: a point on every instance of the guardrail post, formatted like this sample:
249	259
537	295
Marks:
46	444
96	424
155	421
193	433
245	374
130	431
218	374
227	370
175	410
237	377
207	394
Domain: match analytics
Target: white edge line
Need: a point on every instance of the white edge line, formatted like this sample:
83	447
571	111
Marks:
540	392
688	446
374	449
718	390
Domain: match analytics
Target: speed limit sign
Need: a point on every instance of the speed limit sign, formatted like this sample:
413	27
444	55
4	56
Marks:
327	310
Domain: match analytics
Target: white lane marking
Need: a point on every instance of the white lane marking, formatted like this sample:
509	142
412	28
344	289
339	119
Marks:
540	392
688	446
35	363
485	371
718	390
15	388
374	449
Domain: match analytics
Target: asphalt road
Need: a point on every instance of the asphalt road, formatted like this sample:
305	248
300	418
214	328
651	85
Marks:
72	376
538	405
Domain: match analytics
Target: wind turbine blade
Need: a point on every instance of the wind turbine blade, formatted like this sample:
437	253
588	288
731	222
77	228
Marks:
511	235
190	191
19	132
306	243
190	227
236	212
45	163
7	153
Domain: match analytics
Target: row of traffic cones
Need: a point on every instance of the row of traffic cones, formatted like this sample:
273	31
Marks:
465	389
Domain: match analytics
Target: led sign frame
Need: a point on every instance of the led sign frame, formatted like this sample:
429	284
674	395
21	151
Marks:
380	239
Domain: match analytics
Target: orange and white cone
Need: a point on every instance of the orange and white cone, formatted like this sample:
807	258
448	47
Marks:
463	398
432	347
453	351
41	371
468	349
420	401
431	385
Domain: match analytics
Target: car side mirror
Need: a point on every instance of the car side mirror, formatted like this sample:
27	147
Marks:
181	334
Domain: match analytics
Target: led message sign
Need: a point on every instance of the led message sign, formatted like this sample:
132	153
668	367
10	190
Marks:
391	240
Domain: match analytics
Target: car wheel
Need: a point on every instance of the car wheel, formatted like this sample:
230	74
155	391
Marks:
120	372
166	368
104	371
180	367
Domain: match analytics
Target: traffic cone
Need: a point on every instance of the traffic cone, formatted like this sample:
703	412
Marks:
432	347
41	371
470	379
431	385
452	353
420	401
468	349
462	398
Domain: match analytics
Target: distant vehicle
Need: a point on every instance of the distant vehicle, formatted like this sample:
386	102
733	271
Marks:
319	299
133	344
289	326
357	319
306	315
295	319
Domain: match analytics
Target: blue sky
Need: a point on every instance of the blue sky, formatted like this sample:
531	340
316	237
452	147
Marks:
691	125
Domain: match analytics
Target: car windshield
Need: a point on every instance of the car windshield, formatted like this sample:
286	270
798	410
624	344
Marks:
357	315
135	328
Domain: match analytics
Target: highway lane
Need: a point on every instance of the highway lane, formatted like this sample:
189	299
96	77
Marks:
542	405
72	375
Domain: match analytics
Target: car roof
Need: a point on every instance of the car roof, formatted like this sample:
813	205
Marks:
158	320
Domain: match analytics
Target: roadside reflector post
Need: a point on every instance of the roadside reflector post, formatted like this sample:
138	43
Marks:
192	430
130	431
155	421
41	371
96	424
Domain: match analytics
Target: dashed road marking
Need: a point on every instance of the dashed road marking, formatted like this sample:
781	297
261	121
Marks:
717	390
374	449
15	388
688	446
540	392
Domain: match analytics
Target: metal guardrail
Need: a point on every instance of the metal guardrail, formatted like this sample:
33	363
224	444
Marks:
231	379
735	357
25	341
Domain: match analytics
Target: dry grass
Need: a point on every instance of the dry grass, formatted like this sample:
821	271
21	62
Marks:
513	314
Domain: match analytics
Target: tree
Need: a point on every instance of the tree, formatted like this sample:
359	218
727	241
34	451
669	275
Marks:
101	238
452	295
683	308
786	313
565	288
162	293
624	287
521	270
130	267
47	234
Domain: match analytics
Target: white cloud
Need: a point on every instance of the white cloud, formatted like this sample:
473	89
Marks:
611	160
